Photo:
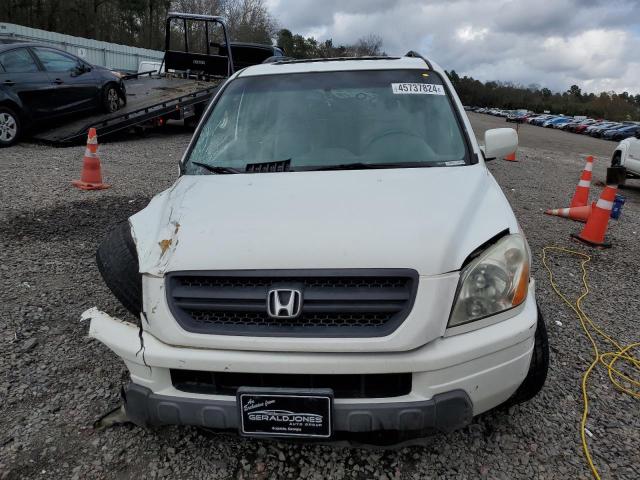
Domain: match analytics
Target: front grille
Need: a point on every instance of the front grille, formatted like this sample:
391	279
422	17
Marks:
343	386
335	303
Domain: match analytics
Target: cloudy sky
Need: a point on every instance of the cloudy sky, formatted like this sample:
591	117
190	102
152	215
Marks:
553	43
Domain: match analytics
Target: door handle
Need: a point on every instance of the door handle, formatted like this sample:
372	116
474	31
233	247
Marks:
58	81
9	82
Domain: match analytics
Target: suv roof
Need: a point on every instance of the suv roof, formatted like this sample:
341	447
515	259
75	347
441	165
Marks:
339	64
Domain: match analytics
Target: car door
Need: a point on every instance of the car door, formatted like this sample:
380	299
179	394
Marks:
22	78
75	85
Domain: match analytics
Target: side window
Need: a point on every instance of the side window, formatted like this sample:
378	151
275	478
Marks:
18	61
55	61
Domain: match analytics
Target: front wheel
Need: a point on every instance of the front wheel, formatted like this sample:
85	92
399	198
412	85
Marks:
117	261
110	98
10	127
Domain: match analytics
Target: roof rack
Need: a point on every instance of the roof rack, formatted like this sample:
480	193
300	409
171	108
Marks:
277	59
194	16
414	54
330	59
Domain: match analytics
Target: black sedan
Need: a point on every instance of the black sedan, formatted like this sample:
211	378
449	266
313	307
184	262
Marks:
39	83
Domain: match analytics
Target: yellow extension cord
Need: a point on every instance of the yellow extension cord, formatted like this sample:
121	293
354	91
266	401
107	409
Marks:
620	380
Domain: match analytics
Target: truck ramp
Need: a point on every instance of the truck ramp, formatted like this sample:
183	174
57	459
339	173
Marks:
147	98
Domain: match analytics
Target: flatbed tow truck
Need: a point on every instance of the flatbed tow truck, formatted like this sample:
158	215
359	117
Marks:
181	92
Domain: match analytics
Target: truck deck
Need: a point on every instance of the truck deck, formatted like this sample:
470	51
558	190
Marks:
148	97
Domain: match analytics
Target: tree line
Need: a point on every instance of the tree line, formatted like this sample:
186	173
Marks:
140	23
297	46
510	96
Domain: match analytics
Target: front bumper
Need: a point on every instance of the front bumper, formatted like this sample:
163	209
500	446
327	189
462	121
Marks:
453	378
444	412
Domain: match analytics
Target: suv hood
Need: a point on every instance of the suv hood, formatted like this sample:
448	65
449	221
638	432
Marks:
428	219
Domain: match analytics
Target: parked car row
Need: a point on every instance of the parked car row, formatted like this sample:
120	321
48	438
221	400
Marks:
599	128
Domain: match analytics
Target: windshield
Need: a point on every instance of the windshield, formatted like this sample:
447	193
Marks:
307	121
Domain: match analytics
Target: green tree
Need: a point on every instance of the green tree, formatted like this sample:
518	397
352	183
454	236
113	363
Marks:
574	91
454	77
285	41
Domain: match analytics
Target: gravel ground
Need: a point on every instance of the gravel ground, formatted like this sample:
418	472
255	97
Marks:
55	381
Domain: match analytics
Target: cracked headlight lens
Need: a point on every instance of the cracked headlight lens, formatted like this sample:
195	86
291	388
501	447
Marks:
495	281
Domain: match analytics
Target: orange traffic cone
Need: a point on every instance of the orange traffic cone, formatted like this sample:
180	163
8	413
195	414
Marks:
581	195
579	208
594	231
580	214
511	157
91	176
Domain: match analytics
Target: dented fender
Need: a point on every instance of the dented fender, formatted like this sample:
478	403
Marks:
155	230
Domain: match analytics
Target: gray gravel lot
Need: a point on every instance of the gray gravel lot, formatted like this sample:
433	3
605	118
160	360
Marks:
55	381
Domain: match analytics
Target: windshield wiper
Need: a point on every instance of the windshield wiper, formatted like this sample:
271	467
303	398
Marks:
216	168
372	166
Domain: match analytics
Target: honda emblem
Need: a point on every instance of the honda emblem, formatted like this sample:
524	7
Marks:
284	303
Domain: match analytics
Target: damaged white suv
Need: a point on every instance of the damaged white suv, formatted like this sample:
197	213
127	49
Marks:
334	261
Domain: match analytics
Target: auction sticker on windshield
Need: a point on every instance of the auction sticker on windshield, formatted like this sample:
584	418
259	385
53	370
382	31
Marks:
417	89
285	412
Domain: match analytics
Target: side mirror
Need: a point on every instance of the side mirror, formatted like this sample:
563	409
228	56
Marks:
80	69
500	142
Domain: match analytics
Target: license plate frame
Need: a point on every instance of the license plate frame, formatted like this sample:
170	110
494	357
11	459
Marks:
285	412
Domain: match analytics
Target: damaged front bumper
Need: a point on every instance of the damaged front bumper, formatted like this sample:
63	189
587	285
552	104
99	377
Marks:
453	378
408	419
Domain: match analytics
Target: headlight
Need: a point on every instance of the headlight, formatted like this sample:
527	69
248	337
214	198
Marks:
495	281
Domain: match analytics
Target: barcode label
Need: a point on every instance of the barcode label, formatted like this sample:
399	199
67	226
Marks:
417	89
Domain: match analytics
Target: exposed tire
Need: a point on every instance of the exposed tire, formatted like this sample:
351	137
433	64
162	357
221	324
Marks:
117	261
538	368
110	98
10	127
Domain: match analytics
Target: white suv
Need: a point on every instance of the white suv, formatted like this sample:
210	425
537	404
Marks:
627	155
334	260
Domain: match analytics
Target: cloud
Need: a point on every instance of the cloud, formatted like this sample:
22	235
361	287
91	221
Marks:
554	43
469	34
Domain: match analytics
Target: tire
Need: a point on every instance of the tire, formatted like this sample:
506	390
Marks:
111	98
10	127
117	261
538	368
